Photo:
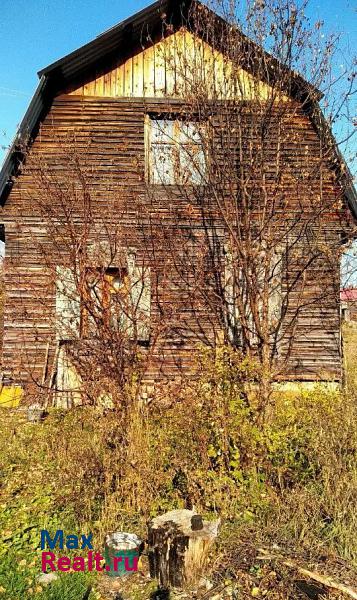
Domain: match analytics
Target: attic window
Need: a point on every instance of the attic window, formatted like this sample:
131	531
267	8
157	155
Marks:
174	153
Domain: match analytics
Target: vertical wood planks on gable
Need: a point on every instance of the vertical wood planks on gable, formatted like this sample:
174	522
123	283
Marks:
99	86
179	64
128	74
160	69
108	84
149	72
171	64
138	77
175	66
113	82
87	89
120	85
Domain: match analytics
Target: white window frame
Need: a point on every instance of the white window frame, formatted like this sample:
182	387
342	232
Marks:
178	144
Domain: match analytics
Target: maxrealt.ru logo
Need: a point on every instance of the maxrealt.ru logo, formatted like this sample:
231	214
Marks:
91	562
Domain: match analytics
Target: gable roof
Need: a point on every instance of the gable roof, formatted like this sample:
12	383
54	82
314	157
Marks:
109	45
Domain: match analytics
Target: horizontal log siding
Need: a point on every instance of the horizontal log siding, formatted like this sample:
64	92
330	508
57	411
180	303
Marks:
110	133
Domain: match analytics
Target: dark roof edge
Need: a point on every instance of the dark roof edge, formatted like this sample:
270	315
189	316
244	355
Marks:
325	133
45	92
350	191
23	135
152	8
89	53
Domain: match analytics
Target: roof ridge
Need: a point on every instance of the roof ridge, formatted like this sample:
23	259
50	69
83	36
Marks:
57	76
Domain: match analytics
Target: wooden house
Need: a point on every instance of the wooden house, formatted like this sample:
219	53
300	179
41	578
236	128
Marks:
348	298
110	103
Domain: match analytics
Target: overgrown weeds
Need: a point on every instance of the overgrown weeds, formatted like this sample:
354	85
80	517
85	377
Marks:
291	481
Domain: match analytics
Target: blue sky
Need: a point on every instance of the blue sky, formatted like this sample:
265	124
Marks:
34	33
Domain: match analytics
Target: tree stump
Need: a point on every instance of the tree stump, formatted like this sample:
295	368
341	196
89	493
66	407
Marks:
179	542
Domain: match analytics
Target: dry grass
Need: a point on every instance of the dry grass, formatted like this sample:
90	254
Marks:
290	485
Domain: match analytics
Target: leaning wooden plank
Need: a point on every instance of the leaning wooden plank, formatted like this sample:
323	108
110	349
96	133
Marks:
323	579
52	376
45	365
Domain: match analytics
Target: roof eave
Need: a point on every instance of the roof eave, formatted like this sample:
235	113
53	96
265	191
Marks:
82	51
351	197
62	70
23	135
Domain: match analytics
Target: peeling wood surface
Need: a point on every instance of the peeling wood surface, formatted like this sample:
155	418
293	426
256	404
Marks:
177	552
109	134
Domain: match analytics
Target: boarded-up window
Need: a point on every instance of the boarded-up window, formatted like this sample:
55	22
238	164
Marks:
140	298
68	307
175	153
232	285
104	300
235	286
118	300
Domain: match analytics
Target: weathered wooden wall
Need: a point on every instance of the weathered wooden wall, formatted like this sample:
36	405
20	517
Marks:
108	133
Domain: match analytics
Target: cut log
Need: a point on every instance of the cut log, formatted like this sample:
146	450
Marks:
179	542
